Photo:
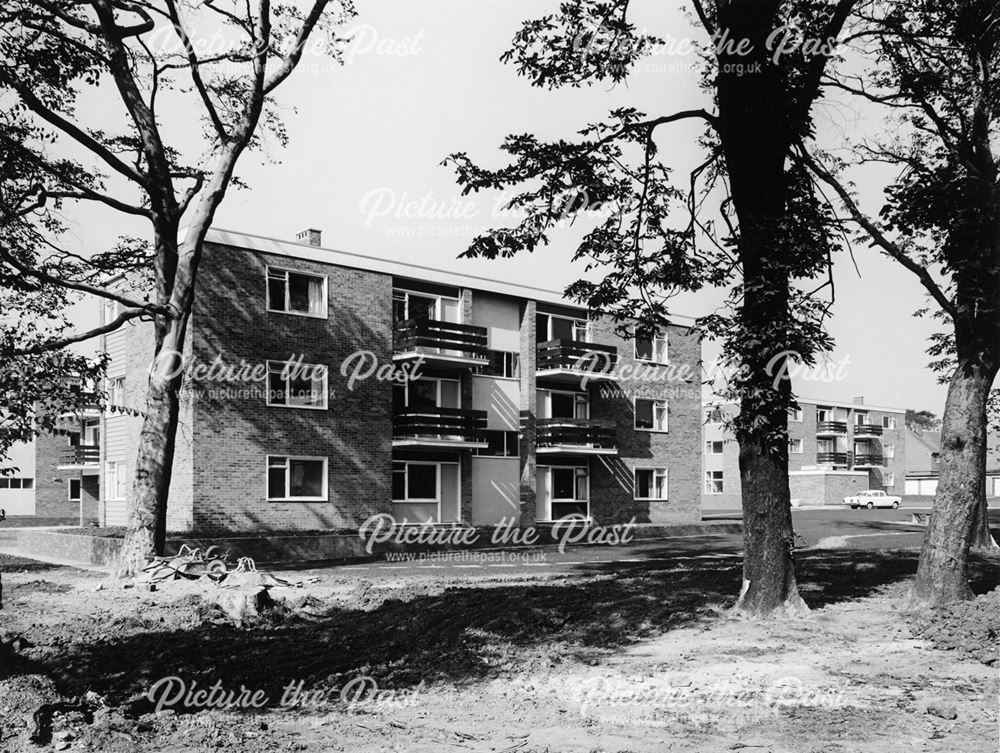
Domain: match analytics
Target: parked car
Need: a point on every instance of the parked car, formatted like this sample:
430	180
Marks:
872	498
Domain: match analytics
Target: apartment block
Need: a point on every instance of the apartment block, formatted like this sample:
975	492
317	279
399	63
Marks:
439	398
834	449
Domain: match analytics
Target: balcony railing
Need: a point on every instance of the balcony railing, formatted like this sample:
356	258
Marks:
832	458
574	432
867	430
831	427
81	454
458	425
576	355
868	460
434	337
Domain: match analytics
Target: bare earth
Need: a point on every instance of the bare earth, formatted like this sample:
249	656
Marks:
643	660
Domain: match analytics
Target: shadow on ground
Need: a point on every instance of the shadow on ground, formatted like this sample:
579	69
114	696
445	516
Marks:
434	632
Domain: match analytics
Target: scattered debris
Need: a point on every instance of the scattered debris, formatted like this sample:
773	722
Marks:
942	710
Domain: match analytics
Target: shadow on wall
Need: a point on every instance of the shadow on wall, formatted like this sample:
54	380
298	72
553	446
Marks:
234	432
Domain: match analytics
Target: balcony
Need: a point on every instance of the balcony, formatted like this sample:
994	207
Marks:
455	428
570	360
831	428
868	461
439	343
831	458
83	457
867	430
577	436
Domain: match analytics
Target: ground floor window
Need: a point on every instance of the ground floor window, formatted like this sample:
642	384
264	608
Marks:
713	482
650	483
75	492
16	482
569	491
296	479
413	482
890	480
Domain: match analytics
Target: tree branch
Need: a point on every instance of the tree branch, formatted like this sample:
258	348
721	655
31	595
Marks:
62	342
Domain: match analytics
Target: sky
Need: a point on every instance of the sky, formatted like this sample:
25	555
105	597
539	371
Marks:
423	79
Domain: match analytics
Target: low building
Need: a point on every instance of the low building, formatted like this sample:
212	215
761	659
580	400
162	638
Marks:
442	398
834	450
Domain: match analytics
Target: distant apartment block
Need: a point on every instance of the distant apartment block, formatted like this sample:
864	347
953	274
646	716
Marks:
833	450
509	419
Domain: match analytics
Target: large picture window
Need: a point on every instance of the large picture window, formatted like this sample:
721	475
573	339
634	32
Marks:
414	482
650	483
297	385
296	293
296	479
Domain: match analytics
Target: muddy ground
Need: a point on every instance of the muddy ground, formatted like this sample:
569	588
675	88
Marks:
597	660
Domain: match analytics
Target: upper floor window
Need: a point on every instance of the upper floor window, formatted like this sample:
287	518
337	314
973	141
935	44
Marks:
650	483
116	391
560	404
650	414
297	385
714	482
889	450
407	305
552	327
426	393
713	448
861	419
501	444
889	480
296	293
502	364
713	414
825	414
795	446
654	350
888	422
16	482
795	414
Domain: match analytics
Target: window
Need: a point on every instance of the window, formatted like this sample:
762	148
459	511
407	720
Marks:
861	419
549	327
650	483
794	446
889	450
889	480
795	414
502	364
297	385
570	492
425	394
889	422
654	349
112	310
114	480
296	479
650	414
824	414
75	493
413	482
560	404
16	482
296	293
116	391
501	444
713	482
421	307
713	415
713	448
73	438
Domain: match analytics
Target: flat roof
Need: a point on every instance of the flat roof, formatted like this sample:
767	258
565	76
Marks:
354	260
811	401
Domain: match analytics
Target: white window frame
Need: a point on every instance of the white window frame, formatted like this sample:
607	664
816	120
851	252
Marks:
267	292
69	489
657	473
656	403
889	422
710	478
438	303
114	469
579	398
16	483
660	346
406	484
710	446
437	391
581	327
889	479
116	394
792	443
709	410
889	451
324	497
576	472
280	366
795	415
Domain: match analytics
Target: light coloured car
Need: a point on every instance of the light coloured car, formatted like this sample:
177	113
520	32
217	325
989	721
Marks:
872	498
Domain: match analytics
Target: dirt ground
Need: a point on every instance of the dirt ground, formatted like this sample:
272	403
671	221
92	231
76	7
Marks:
600	660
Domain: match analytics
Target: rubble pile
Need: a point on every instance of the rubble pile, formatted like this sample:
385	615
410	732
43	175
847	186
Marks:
971	628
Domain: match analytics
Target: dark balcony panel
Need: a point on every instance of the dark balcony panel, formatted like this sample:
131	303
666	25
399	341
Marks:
834	458
81	454
583	432
566	354
868	460
458	424
867	430
414	334
831	427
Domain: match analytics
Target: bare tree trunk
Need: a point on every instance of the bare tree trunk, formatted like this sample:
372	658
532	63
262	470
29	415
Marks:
146	533
942	571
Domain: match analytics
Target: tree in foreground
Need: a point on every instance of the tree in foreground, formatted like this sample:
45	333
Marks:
766	60
939	70
229	57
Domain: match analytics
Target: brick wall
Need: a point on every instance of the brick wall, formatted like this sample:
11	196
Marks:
233	435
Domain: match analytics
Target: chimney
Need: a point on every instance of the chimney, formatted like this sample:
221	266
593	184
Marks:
859	400
310	236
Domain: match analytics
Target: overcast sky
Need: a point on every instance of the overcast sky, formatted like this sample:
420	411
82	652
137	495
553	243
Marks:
423	79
